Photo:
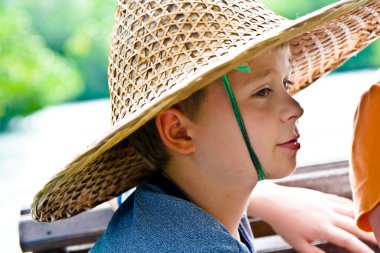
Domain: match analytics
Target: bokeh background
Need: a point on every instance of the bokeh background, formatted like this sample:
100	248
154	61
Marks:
53	66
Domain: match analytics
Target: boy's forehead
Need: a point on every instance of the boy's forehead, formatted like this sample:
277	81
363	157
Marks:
274	61
270	62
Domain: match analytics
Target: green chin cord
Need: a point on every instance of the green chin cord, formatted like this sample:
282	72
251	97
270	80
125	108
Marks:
255	160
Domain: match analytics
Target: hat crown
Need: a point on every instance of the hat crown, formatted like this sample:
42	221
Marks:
158	44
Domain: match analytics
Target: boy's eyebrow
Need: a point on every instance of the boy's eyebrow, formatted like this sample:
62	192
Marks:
264	74
289	67
269	72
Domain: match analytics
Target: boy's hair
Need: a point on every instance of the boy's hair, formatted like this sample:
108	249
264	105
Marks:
147	140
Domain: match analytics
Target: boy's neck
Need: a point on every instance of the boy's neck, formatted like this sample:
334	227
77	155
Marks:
226	202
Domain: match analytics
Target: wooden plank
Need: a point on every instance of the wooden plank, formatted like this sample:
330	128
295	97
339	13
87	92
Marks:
82	229
329	177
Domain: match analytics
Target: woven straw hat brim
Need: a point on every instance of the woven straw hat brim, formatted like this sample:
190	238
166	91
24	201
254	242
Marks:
319	42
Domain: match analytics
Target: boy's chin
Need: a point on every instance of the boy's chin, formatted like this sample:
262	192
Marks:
281	173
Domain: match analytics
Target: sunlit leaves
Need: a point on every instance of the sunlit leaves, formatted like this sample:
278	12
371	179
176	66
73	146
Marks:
31	75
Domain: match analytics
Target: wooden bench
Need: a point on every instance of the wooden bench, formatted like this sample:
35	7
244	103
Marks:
79	233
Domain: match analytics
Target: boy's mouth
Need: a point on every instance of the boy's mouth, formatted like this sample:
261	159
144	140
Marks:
292	144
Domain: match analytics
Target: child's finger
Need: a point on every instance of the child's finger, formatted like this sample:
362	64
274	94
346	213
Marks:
306	247
342	205
344	239
348	224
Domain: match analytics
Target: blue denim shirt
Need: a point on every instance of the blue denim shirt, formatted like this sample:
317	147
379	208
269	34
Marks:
150	220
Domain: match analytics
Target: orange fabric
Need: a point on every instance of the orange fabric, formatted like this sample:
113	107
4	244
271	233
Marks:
365	157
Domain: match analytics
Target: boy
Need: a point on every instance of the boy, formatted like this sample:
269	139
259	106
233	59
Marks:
193	189
209	166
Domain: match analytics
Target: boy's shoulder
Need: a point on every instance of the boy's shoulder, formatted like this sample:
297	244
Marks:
152	221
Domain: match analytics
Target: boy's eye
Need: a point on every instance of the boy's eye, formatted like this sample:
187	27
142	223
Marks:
263	92
287	84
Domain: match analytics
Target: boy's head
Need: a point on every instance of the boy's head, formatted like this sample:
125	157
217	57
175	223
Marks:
203	128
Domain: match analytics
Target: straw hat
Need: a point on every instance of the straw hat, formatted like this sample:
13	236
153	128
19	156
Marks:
163	51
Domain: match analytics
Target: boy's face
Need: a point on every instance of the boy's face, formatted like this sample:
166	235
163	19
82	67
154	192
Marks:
270	116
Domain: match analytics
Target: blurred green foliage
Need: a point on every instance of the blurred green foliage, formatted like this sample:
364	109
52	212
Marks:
54	51
80	31
31	75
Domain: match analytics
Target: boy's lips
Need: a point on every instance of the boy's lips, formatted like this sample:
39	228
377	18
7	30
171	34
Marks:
293	144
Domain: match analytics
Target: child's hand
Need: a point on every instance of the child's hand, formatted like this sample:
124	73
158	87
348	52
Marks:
302	216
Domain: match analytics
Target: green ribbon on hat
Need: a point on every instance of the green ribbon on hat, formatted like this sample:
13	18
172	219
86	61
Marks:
255	160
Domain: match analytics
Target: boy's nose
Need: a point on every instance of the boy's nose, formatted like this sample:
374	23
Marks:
293	110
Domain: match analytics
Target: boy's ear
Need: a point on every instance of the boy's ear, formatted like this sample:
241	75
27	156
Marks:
173	127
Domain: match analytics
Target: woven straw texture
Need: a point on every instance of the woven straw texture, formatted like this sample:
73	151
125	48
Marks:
163	51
